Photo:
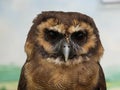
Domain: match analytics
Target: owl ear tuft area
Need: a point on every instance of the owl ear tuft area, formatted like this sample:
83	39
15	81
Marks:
35	19
38	18
44	16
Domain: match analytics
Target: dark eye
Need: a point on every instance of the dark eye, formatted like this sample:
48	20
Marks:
79	36
52	36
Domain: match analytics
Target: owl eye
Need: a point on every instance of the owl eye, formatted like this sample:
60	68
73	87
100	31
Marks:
79	36
52	36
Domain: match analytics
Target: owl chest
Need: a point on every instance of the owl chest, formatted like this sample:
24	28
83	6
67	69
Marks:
60	79
48	80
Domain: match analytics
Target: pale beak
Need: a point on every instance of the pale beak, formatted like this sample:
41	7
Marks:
66	50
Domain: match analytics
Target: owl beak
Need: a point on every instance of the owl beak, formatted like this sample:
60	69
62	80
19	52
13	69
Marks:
66	50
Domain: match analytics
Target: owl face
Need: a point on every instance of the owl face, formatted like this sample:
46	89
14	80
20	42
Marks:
64	38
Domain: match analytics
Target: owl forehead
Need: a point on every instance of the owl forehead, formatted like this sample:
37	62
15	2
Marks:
54	24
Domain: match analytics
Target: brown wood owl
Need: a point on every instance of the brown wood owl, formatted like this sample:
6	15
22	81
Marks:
63	53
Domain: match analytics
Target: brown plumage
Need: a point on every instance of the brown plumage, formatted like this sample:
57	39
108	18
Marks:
63	53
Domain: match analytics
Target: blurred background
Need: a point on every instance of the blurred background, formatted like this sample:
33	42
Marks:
16	19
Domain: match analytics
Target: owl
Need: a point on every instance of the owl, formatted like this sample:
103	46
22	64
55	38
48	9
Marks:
63	53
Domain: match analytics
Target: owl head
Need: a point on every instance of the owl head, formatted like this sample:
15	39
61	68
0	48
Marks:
63	38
